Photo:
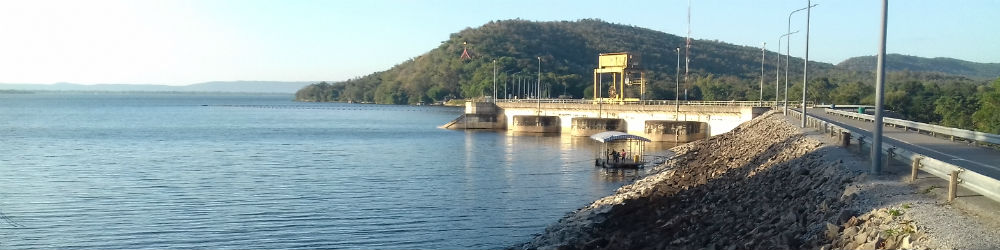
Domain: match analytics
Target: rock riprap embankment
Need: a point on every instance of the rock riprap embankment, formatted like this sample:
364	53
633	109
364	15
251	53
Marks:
763	185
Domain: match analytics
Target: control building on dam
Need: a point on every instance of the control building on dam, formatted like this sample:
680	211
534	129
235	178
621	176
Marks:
658	122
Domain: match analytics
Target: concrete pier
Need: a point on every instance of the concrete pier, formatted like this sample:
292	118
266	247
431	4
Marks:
585	126
676	131
479	115
536	124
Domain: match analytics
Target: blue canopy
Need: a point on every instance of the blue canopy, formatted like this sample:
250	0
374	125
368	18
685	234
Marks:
609	136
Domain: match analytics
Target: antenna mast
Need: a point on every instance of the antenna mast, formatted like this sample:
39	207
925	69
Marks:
687	53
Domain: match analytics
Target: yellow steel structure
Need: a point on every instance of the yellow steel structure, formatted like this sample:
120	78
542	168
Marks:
625	71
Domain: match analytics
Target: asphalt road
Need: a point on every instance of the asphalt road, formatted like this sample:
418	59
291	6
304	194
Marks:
985	161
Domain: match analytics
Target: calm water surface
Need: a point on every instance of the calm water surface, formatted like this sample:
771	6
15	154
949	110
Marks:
230	171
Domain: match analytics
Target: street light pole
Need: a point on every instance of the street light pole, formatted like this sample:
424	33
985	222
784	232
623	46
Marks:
506	93
805	63
494	80
677	88
538	86
777	71
788	41
762	71
600	96
879	88
517	85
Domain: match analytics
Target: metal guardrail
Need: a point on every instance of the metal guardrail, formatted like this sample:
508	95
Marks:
957	175
653	102
936	129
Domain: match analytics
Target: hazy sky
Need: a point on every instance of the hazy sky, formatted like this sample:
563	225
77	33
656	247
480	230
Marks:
180	42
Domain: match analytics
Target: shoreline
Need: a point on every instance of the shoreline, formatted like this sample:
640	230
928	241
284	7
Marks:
765	185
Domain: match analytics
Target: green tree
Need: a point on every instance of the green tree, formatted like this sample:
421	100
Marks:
436	93
852	93
987	118
956	111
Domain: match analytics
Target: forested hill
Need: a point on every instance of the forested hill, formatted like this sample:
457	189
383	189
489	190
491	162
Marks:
568	50
897	62
719	71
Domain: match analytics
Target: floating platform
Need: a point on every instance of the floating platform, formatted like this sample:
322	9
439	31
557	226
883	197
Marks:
623	164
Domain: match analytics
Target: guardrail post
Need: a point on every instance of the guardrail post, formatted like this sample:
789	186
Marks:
953	186
913	169
845	139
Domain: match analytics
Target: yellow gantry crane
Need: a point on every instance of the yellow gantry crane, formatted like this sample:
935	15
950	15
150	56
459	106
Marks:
625	70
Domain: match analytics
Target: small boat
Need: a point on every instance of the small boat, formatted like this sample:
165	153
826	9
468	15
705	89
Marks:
620	150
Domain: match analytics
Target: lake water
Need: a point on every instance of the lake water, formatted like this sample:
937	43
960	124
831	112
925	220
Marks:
239	171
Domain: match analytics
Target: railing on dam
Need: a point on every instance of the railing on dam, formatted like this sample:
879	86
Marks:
974	136
956	175
655	102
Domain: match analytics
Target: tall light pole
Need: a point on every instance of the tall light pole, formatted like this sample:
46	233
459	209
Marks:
494	80
677	88
777	69
517	85
514	85
538	86
761	71
600	103
788	40
879	88
525	87
505	92
805	63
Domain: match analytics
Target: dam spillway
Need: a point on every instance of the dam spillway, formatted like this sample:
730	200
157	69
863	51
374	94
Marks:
662	121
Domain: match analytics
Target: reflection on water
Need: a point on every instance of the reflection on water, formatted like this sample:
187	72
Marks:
621	174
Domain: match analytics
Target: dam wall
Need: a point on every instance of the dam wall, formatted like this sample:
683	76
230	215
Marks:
657	122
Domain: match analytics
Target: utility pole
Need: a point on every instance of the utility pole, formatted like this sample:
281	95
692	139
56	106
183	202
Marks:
879	88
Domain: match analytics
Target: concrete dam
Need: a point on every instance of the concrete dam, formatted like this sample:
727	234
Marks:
661	121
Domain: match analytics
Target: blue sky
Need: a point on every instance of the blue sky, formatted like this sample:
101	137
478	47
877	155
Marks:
181	42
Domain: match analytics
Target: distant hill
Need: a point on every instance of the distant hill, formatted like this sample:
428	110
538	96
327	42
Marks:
568	51
897	62
219	86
